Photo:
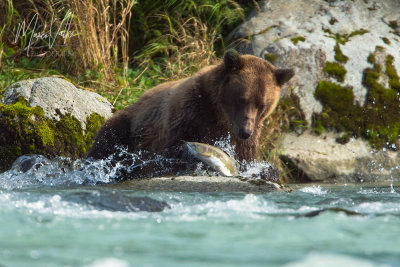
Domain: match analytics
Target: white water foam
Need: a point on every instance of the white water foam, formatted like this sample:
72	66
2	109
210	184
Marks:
45	205
250	207
316	259
63	171
109	262
315	189
378	208
225	145
53	173
252	169
255	168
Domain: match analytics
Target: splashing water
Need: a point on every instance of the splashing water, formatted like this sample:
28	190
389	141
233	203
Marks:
47	222
31	170
224	143
317	190
252	169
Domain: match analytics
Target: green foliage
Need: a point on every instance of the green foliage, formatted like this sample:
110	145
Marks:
345	138
393	24
297	39
290	107
339	56
167	40
358	32
93	125
270	57
370	79
394	81
344	38
335	70
12	72
386	40
378	120
339	111
382	112
371	59
156	21
335	96
317	126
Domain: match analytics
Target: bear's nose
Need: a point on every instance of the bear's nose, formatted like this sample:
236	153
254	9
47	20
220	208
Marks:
244	133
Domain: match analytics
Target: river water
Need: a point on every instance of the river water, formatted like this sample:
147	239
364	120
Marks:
52	216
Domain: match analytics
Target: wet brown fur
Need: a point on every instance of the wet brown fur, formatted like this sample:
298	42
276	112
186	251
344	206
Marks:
217	100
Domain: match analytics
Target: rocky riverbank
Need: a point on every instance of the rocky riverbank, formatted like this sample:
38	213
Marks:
346	55
48	116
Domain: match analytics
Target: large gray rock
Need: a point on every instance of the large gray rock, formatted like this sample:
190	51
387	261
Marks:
323	159
273	26
358	28
58	97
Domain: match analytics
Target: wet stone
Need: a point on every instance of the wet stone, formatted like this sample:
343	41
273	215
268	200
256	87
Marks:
113	201
204	184
27	162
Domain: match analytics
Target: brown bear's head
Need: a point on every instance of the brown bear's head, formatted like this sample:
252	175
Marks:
250	91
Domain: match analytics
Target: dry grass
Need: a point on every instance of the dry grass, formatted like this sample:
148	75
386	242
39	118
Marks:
275	125
103	28
193	49
178	35
6	17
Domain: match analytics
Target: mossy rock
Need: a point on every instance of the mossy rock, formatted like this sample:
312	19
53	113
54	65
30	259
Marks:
339	56
339	113
25	130
394	81
335	70
378	120
297	39
344	38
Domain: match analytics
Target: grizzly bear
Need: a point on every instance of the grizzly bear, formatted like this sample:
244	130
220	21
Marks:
235	97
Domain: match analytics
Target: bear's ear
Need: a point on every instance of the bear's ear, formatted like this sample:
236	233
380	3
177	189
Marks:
283	75
232	61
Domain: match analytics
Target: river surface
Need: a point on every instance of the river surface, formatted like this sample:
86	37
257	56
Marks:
316	225
66	213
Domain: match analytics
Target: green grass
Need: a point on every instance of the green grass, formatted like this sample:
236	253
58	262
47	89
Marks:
168	40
